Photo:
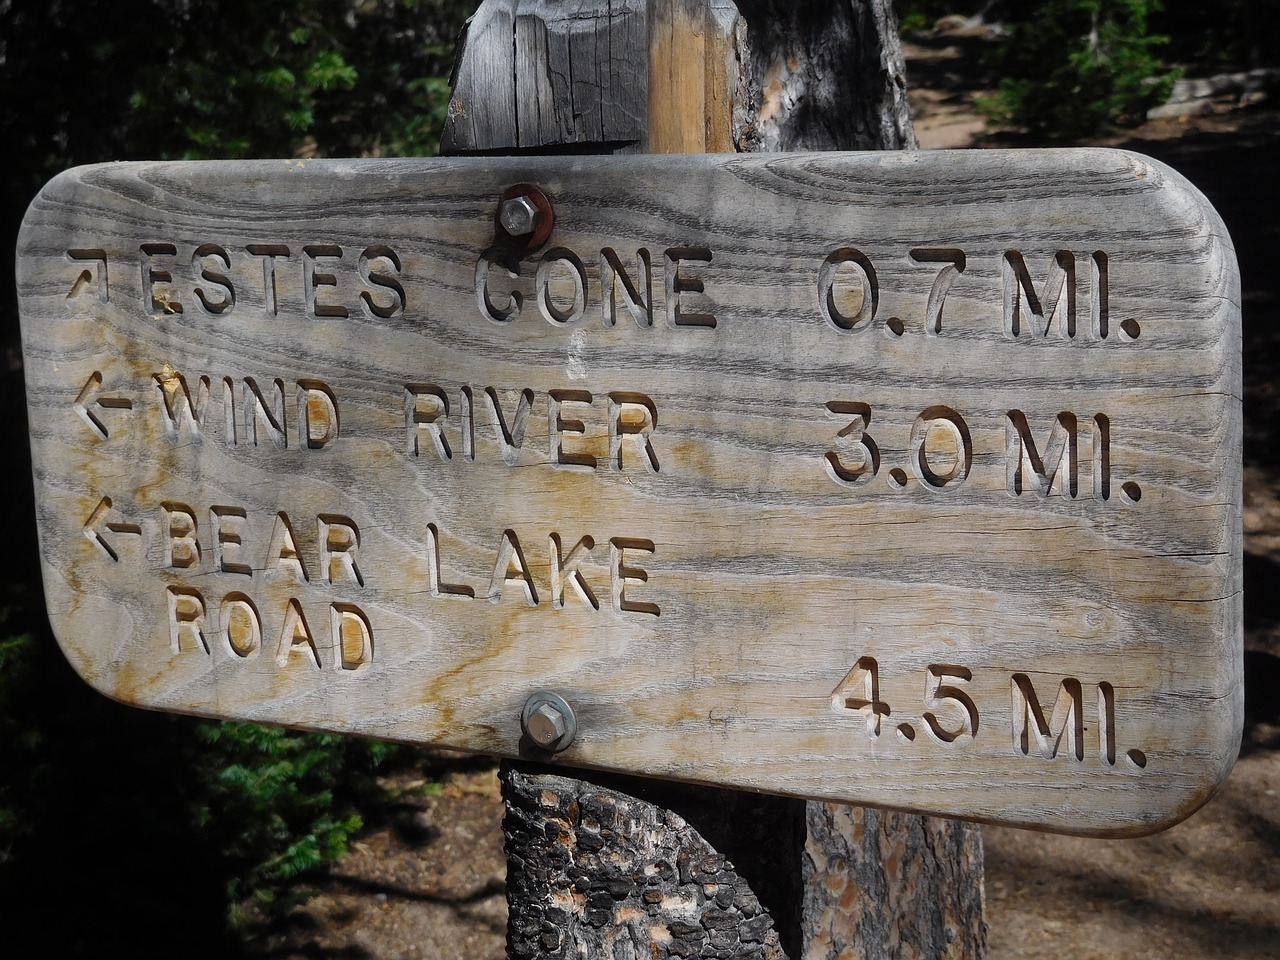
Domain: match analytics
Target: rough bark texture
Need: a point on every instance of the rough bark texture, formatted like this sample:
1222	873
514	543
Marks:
883	884
595	870
830	75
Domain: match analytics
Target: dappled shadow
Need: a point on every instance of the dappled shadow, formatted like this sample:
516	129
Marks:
359	884
314	950
1082	883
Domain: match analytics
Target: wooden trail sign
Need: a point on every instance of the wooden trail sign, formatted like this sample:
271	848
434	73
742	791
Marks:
909	480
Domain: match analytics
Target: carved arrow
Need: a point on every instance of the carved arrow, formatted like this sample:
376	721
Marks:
86	404
94	526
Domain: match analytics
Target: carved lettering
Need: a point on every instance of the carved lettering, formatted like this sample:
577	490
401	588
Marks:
559	426
257	414
621	574
1029	723
939	695
227	525
162	300
563	291
632	415
216	276
510	555
295	637
852	439
436	582
951	717
88	403
98	522
515	300
241	626
570	266
676	285
379	268
1099	294
859	691
512	438
177	406
860	303
186	619
1106	725
318	423
1101	458
269	253
313	279
1041	307
352	638
953	264
229	419
282	550
639	304
178	532
339	541
1025	467
98	257
567	571
425	405
940	435
467	427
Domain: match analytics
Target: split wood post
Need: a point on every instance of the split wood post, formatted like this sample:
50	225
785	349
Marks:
607	866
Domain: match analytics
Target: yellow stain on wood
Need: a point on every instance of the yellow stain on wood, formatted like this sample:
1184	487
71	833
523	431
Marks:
689	100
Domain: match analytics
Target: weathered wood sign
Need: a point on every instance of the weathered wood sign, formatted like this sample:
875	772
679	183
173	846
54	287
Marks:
909	480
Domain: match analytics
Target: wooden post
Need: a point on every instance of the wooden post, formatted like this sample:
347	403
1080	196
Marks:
624	868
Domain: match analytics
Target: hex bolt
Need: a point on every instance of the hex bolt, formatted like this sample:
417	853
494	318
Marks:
518	216
545	725
525	217
548	721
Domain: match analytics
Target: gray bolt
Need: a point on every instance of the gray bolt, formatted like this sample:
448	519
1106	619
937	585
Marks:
518	216
549	721
545	725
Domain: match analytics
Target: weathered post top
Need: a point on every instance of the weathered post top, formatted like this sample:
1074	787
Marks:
910	480
652	76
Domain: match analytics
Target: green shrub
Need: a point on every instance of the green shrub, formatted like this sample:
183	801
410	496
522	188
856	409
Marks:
279	803
1077	68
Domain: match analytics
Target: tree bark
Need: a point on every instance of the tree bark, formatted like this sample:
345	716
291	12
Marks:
879	884
830	75
623	868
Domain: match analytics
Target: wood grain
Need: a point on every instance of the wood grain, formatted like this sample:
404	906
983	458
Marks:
540	74
602	76
757	576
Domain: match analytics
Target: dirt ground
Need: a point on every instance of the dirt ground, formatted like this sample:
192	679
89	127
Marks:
428	882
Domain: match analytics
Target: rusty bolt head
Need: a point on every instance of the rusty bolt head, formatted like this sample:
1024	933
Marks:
518	216
525	217
548	721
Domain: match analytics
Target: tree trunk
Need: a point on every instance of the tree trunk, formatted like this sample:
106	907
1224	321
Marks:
830	75
624	868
